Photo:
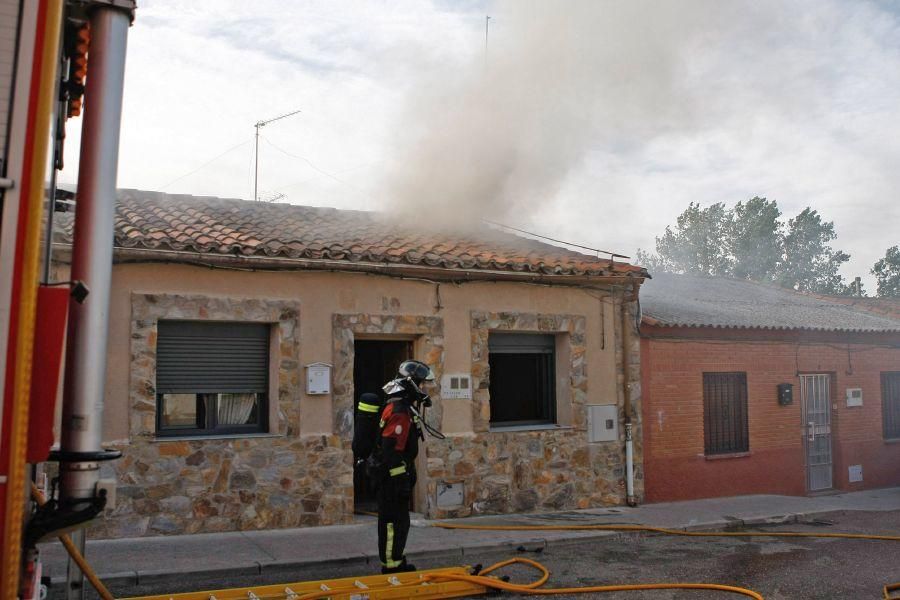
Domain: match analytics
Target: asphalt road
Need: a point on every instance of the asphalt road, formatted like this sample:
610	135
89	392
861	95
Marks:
778	568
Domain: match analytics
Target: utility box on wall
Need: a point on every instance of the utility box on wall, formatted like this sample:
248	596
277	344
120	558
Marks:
785	393
854	397
603	422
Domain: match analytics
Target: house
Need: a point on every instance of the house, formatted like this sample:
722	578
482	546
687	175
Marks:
242	333
750	389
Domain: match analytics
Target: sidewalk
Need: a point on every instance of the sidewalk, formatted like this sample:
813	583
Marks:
157	559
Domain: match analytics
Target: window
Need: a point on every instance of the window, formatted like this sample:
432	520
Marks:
890	404
522	373
211	377
725	426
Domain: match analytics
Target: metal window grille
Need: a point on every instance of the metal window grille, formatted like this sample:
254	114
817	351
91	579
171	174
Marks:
522	378
890	404
725	422
223	366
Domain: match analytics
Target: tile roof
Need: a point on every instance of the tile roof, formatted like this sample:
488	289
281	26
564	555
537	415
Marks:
231	227
694	301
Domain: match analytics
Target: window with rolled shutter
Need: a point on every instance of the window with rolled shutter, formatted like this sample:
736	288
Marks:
522	379
212	377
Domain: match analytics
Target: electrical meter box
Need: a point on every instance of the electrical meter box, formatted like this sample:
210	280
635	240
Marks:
854	397
785	393
603	422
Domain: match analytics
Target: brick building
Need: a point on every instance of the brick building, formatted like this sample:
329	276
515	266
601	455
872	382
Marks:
241	334
751	389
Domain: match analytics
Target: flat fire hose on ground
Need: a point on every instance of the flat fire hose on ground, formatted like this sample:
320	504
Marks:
455	582
432	584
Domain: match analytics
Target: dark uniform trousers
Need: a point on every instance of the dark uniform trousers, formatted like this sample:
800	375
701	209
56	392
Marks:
393	520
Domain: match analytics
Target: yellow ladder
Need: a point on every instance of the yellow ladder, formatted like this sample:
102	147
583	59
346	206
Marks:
372	587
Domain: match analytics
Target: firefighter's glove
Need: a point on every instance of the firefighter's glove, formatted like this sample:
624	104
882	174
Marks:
374	469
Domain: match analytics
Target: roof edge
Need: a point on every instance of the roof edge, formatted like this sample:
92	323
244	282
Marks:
651	327
254	262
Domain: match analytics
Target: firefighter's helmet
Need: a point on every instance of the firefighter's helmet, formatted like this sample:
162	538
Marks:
416	370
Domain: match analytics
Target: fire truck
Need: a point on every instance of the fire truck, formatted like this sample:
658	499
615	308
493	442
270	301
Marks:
60	60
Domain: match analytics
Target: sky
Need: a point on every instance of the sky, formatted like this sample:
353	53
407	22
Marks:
595	121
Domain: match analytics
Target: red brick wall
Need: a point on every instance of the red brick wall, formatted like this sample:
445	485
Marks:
672	410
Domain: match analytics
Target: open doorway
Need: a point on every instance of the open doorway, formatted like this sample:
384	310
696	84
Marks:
375	363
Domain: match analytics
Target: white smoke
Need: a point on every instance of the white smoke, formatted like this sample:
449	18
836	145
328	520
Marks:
498	135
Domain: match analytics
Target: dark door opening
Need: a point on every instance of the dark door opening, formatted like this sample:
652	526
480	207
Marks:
375	363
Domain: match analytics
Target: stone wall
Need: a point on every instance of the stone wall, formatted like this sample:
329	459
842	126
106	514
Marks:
283	479
226	483
523	471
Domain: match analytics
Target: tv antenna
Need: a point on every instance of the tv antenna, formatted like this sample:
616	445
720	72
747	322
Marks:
256	155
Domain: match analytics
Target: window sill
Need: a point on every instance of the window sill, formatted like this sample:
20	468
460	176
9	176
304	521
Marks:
161	439
727	456
892	440
535	427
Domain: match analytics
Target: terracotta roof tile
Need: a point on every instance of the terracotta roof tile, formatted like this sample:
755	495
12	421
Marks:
153	220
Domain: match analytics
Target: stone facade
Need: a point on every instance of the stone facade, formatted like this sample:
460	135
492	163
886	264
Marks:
522	471
285	479
227	483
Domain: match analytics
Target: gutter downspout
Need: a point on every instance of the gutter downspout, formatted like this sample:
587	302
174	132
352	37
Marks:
627	326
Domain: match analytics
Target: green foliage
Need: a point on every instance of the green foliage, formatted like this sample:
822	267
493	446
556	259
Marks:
755	239
887	273
808	263
751	242
695	245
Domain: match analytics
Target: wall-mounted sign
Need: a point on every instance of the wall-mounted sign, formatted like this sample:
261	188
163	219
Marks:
318	378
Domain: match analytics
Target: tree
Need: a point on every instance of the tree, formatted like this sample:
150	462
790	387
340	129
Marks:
751	242
809	264
696	245
755	239
887	273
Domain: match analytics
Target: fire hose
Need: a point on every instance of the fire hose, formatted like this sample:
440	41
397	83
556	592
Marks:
534	587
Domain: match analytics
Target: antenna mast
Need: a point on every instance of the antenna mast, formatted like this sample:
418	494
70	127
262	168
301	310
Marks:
256	155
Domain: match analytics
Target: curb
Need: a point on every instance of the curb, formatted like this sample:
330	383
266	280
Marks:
534	544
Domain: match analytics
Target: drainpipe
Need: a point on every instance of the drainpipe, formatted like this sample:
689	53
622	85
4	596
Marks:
92	253
627	326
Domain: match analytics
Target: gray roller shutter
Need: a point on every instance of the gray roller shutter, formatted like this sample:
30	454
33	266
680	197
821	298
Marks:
521	343
212	357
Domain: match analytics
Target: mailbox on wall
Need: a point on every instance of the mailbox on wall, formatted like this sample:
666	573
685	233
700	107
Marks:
785	393
318	379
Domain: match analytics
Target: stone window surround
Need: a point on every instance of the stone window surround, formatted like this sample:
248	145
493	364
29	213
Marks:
426	333
148	309
570	364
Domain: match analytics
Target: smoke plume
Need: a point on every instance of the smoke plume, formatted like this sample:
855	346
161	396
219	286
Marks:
495	136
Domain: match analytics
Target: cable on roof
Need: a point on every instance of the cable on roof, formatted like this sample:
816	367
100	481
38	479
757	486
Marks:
612	255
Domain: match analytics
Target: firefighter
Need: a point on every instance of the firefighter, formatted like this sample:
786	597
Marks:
398	445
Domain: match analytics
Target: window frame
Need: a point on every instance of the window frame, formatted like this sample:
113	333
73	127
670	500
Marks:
718	381
519	344
890	386
206	408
